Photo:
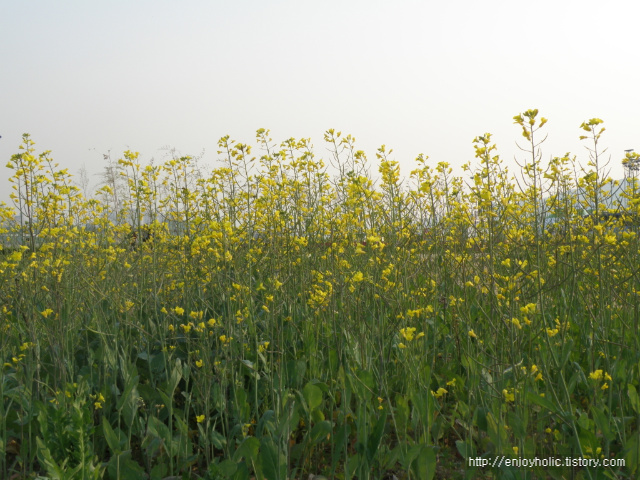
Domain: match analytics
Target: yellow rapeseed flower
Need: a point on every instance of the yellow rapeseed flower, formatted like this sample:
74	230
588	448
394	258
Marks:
408	333
528	309
596	375
99	401
439	393
200	418
552	332
509	396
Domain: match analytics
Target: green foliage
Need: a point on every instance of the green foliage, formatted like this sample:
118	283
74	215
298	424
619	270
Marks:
269	320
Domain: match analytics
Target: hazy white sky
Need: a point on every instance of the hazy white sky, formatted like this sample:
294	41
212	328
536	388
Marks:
86	77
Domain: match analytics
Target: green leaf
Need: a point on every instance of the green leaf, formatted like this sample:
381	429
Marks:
353	464
159	471
317	416
181	426
159	430
312	395
218	440
497	432
340	438
166	401
123	467
111	437
132	382
157	364
424	466
465	448
248	449
541	401
632	453
176	376
267	423
602	422
402	412
516	424
420	403
228	467
633	398
320	431
374	438
411	455
46	459
242	473
367	379
567	348
481	419
273	462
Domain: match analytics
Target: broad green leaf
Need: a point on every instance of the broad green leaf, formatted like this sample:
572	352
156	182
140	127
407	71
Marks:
123	467
632	453
320	431
541	401
273	463
424	466
111	437
46	459
312	395
228	467
218	440
465	448
248	449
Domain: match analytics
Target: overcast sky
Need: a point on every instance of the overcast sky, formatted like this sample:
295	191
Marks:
88	77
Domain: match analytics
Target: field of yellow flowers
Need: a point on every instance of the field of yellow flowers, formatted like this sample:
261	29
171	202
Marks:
279	316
